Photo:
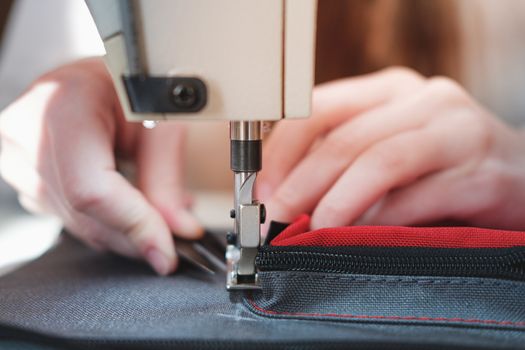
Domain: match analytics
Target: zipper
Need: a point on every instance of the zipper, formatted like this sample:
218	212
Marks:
503	263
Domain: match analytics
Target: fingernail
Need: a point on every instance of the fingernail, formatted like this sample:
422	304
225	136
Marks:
187	225
158	261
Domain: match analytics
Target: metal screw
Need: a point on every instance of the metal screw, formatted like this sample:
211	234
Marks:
184	95
232	213
231	238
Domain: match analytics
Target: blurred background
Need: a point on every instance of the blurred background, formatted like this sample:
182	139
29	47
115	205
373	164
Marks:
480	43
37	36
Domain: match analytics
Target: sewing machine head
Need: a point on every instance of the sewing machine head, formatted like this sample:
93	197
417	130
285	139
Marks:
244	61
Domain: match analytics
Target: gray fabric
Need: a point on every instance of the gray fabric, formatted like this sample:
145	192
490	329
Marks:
476	302
76	297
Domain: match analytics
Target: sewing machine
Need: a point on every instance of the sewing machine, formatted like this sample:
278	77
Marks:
246	61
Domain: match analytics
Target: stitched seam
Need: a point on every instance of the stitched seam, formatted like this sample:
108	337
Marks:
382	317
404	280
383	280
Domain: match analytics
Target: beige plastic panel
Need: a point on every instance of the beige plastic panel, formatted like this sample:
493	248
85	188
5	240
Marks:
299	57
235	46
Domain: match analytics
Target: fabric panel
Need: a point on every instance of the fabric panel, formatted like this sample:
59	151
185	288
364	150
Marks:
473	302
74	297
299	234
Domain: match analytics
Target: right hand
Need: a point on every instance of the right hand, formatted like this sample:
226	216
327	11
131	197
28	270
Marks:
60	141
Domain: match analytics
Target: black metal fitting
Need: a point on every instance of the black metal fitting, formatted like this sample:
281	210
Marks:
231	238
246	155
149	94
184	95
262	214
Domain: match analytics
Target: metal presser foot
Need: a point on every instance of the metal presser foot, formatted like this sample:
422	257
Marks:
244	241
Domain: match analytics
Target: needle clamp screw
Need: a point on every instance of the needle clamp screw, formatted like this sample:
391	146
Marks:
184	95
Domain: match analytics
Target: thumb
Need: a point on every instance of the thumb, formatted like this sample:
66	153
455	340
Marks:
90	185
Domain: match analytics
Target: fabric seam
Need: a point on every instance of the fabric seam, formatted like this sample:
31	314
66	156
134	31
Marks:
261	309
416	280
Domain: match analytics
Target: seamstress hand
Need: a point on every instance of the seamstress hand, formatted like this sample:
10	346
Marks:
395	148
60	141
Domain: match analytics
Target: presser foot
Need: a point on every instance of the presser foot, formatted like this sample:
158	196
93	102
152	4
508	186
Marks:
235	259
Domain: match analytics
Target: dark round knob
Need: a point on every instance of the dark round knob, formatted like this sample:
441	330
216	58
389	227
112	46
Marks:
184	95
263	213
231	238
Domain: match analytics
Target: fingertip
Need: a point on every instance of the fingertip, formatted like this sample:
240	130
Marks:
160	262
316	223
326	216
322	219
277	212
185	225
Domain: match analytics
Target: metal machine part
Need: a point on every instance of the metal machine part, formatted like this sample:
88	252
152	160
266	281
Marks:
195	60
205	254
244	241
209	60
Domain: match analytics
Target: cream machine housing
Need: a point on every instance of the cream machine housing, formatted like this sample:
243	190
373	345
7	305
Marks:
243	61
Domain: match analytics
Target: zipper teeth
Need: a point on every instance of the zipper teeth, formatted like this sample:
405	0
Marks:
510	265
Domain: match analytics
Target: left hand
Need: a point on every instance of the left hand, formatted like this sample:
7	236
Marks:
62	140
395	148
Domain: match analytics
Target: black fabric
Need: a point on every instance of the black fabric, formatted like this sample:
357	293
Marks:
73	297
468	302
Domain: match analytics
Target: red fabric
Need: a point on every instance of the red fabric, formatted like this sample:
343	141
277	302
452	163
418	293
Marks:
299	234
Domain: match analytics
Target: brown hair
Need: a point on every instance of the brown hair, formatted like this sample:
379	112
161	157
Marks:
360	36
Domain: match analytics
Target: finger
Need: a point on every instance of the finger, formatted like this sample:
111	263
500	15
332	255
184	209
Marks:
160	162
319	170
386	166
122	208
333	104
86	169
99	236
431	199
472	192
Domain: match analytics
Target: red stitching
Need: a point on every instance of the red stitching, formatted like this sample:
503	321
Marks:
380	317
